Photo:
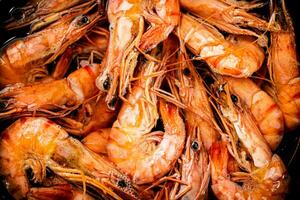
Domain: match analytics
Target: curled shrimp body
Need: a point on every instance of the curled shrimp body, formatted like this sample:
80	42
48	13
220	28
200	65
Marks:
145	155
37	143
284	69
21	60
57	96
226	17
268	182
264	109
237	56
136	153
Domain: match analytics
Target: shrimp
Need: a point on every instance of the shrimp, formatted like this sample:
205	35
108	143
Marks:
227	17
37	143
20	61
267	182
283	68
43	12
144	155
193	94
126	24
264	109
237	56
244	126
53	98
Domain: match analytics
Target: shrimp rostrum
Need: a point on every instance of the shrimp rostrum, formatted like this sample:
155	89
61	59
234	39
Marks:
35	144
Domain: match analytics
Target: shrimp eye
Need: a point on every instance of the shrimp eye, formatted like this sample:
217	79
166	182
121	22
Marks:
17	13
186	71
234	98
106	84
122	183
83	20
112	102
29	174
195	145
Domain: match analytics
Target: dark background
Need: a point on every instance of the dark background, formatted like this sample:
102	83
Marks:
289	148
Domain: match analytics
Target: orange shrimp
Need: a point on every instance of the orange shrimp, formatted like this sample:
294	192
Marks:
227	17
145	155
21	60
59	96
126	32
267	182
264	109
193	95
236	56
245	129
283	68
37	143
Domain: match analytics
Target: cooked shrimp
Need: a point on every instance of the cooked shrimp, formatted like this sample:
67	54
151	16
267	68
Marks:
226	17
268	182
246	129
51	98
283	68
126	25
145	155
265	111
237	56
21	60
43	12
193	95
36	143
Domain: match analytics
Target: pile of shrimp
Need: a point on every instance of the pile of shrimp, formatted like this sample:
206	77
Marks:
147	99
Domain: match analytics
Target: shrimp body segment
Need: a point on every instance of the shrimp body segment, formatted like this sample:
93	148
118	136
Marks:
236	56
21	60
37	143
264	109
268	182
